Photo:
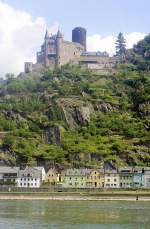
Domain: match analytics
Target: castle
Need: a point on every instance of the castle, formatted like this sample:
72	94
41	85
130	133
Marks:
55	52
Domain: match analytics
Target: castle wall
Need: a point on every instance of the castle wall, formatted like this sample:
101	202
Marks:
69	52
98	62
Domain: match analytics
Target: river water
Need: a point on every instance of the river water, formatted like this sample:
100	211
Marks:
20	214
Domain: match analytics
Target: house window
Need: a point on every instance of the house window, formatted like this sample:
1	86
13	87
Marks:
108	180
35	184
115	180
70	178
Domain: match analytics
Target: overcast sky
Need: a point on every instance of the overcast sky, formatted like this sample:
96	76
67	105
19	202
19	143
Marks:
23	24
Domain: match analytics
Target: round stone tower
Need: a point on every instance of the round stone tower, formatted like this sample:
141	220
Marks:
79	36
59	39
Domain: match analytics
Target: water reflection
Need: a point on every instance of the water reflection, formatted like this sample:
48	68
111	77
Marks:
74	214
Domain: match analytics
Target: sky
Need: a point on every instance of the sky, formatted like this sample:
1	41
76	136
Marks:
23	24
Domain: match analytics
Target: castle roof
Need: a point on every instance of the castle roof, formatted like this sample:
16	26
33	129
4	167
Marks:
59	34
46	34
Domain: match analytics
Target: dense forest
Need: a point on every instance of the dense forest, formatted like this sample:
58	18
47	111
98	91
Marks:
75	117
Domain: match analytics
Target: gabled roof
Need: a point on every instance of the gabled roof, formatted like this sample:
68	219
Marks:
8	169
30	172
112	171
40	168
77	172
81	172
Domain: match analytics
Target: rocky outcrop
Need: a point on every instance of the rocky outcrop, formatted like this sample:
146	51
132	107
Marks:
53	135
75	111
104	107
82	114
144	109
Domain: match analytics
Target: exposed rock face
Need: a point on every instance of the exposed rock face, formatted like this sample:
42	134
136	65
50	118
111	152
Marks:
52	135
12	115
144	109
75	111
82	114
104	107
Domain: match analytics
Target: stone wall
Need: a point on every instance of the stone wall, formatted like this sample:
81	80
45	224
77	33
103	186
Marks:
69	52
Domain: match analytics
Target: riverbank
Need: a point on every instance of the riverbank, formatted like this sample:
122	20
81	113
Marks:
137	196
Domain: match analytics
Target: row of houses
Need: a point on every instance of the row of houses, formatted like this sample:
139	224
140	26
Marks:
35	177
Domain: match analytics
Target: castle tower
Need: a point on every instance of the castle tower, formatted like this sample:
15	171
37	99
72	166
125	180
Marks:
46	35
46	48
59	39
79	36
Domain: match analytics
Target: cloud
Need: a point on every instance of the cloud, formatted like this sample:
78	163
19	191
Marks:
97	42
20	38
133	38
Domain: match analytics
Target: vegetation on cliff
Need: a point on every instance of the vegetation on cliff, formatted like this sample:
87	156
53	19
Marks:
75	117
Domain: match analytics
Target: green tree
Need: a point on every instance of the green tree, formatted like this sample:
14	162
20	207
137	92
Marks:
121	46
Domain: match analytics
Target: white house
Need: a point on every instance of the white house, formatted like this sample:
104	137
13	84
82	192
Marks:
111	179
30	177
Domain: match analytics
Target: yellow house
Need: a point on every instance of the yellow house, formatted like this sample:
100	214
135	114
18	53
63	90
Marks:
52	176
95	178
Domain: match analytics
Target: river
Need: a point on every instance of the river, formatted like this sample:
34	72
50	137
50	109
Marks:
40	214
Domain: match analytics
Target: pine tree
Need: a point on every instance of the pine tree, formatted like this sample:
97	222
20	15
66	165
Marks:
121	46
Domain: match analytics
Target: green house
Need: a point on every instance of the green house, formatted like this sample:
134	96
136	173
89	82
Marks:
75	178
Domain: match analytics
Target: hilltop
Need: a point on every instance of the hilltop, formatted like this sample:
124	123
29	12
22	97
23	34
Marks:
73	116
